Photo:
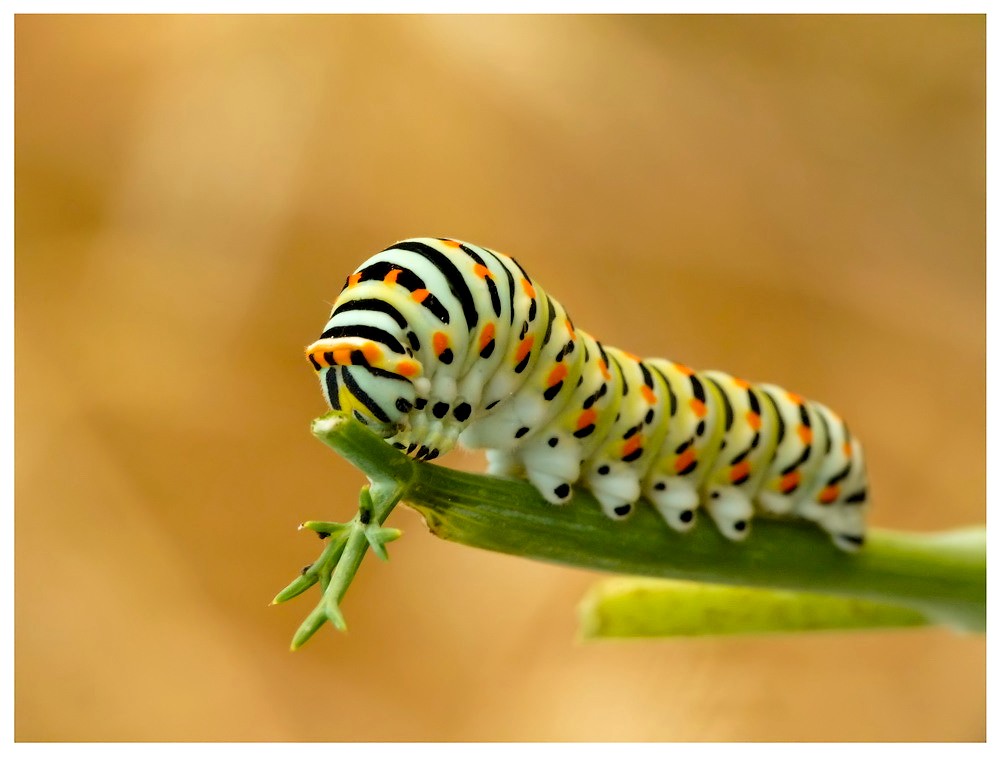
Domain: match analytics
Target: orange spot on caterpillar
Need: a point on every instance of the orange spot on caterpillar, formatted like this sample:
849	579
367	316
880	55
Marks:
569	327
528	289
648	394
451	243
315	351
806	434
847	449
440	342
631	445
754	420
556	375
420	294
407	368
684	459
489	331
739	471
630	356
698	407
390	278
794	398
789	481
587	417
482	271
342	356
829	494
604	369
353	279
524	348
741	383
371	352
684	369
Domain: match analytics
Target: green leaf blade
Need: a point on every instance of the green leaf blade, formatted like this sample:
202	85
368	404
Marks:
630	608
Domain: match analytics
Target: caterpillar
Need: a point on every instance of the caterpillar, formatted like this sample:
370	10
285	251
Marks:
434	342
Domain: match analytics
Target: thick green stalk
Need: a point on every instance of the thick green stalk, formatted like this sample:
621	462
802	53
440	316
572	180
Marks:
941	576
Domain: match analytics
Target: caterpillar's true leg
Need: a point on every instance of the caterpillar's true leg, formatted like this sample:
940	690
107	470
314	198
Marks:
731	510
676	500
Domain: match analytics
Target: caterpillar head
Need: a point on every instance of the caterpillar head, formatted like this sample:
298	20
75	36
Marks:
364	379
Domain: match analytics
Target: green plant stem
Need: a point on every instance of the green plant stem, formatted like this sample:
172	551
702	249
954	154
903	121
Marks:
942	576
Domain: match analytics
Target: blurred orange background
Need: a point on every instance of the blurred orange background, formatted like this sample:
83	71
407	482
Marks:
792	199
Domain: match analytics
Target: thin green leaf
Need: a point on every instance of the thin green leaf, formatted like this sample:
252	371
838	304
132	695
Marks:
618	608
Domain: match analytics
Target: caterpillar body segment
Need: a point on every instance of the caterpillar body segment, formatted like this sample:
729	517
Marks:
434	342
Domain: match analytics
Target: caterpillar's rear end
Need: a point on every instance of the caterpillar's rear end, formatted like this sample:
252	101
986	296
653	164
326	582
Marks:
435	341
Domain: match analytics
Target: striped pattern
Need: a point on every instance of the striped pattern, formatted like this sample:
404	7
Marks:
434	341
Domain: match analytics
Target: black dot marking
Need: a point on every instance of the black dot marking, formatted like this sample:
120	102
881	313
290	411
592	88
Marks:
688	469
562	491
740	525
701	428
323	534
446	356
521	432
723	445
412	339
618	417
649	417
714	495
632	456
756	440
523	364
486	351
462	412
524	331
553	441
623	509
305	568
552	391
604	470
399	445
660	486
421	403
686	517
533	310
579	381
493	404
440	410
365	516
403	405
